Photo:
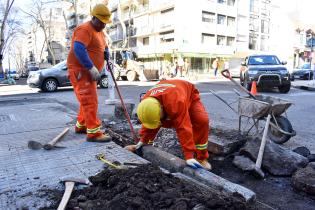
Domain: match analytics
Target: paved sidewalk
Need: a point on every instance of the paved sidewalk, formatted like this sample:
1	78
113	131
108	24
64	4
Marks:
304	84
23	171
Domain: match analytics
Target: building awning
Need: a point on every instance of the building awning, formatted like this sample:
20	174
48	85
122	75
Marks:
204	55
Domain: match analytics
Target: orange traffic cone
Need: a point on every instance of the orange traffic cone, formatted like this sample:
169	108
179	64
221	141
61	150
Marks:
253	90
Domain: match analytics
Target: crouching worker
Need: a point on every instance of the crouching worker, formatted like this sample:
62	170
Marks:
176	104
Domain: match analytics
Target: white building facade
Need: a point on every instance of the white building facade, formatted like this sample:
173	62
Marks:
163	30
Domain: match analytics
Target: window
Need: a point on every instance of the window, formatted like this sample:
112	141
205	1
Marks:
222	1
221	19
208	17
230	41
263	43
167	36
146	41
230	21
253	5
230	2
208	39
264	26
221	40
252	42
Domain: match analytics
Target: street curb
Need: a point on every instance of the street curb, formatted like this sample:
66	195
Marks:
303	87
219	185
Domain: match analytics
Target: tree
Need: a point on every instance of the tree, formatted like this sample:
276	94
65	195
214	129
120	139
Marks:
7	29
45	23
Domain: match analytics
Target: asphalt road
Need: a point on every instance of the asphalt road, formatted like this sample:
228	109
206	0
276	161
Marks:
300	114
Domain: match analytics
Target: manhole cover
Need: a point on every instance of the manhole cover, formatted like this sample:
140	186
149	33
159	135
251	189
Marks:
4	118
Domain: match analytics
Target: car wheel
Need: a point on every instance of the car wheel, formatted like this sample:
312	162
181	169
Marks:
275	135
116	75
132	75
50	85
284	88
241	79
247	84
104	82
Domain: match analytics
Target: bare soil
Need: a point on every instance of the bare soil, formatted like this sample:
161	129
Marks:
143	187
272	192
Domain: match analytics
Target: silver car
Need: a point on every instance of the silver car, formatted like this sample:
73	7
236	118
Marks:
48	80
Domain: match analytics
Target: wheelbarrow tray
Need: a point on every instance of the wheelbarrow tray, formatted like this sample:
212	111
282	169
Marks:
261	106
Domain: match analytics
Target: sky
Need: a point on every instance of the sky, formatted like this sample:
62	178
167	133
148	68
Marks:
301	11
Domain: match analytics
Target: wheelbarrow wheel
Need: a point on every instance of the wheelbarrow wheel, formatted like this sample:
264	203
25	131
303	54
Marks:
277	136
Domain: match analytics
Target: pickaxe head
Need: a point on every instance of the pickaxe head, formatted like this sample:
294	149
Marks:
100	156
76	180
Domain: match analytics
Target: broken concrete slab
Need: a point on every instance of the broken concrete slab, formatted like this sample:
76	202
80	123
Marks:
244	163
304	151
311	158
277	160
304	179
221	185
223	142
119	110
223	146
218	184
163	159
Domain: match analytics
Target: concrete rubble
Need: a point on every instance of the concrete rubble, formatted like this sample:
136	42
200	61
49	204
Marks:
304	179
277	160
244	163
218	184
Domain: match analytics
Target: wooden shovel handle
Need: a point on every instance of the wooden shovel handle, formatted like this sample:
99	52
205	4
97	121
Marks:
66	195
57	138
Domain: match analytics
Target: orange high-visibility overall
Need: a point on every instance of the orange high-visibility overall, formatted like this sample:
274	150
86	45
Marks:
180	101
84	87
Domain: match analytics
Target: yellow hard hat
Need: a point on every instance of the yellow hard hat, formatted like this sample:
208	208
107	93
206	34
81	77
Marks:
101	12
149	113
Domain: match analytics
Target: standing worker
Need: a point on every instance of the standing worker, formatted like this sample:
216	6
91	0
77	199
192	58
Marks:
176	103
85	62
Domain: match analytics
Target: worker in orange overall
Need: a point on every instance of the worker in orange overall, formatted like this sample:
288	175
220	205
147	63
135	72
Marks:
85	62
176	104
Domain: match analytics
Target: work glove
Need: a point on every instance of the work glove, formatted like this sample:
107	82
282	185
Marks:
193	163
106	54
95	75
134	147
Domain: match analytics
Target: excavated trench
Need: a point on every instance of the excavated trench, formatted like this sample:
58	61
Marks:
147	187
273	192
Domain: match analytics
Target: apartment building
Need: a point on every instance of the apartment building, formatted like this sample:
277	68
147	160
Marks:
161	31
54	24
78	12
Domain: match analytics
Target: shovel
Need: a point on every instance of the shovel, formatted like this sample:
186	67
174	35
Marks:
257	169
226	74
50	145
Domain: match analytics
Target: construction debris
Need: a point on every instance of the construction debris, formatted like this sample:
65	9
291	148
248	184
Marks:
277	160
145	187
304	179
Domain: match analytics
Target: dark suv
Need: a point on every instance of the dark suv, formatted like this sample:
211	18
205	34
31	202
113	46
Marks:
267	71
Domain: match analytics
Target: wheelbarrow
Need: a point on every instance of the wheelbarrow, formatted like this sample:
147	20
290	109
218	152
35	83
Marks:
258	108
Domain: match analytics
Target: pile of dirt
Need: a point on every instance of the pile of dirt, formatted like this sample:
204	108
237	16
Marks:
144	187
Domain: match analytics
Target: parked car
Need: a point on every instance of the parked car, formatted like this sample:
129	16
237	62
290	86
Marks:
305	72
267	71
12	74
50	79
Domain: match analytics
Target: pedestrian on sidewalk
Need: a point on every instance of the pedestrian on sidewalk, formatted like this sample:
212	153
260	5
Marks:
176	104
85	62
186	67
215	66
